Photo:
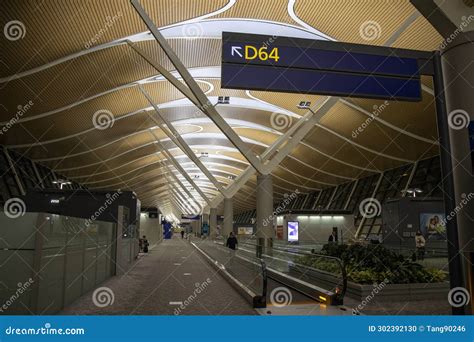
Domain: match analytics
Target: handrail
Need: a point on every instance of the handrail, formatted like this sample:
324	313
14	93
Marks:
258	299
340	293
264	278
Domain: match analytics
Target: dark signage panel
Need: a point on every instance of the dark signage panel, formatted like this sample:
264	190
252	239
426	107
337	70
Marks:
318	82
314	58
284	64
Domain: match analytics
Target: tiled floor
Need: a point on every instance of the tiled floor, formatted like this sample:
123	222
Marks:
171	274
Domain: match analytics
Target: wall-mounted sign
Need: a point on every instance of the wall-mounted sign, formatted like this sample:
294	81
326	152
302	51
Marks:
293	230
295	65
244	230
190	217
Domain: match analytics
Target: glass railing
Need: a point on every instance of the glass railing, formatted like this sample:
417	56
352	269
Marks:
247	270
47	261
320	271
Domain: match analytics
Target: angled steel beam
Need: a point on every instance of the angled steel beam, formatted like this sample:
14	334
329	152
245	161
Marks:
171	173
174	135
300	134
410	178
374	193
204	104
178	192
332	196
178	198
35	170
179	168
245	176
178	195
352	193
11	165
315	204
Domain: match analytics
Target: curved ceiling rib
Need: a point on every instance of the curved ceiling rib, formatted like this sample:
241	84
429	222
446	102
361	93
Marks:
167	139
168	104
211	28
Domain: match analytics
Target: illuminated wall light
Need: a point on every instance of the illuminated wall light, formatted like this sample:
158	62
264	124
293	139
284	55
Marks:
327	217
338	217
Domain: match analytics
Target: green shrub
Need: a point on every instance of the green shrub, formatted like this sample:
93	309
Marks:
372	264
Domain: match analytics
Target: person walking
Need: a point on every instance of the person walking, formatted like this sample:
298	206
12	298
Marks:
333	237
182	234
232	241
145	244
420	243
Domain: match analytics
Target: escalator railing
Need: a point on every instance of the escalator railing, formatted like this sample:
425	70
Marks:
319	276
246	272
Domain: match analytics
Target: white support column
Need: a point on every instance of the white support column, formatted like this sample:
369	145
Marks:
213	222
458	78
228	217
265	229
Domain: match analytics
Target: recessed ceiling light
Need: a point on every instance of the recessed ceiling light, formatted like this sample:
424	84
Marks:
304	105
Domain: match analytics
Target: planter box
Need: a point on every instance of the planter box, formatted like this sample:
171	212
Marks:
389	292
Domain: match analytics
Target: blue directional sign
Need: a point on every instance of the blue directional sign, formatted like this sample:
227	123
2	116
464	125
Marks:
283	64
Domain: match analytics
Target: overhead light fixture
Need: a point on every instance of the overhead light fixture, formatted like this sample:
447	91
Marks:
61	182
414	191
304	105
223	100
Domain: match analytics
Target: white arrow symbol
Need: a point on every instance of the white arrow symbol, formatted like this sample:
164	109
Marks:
236	50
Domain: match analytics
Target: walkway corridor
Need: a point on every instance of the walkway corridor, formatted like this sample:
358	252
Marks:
171	274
